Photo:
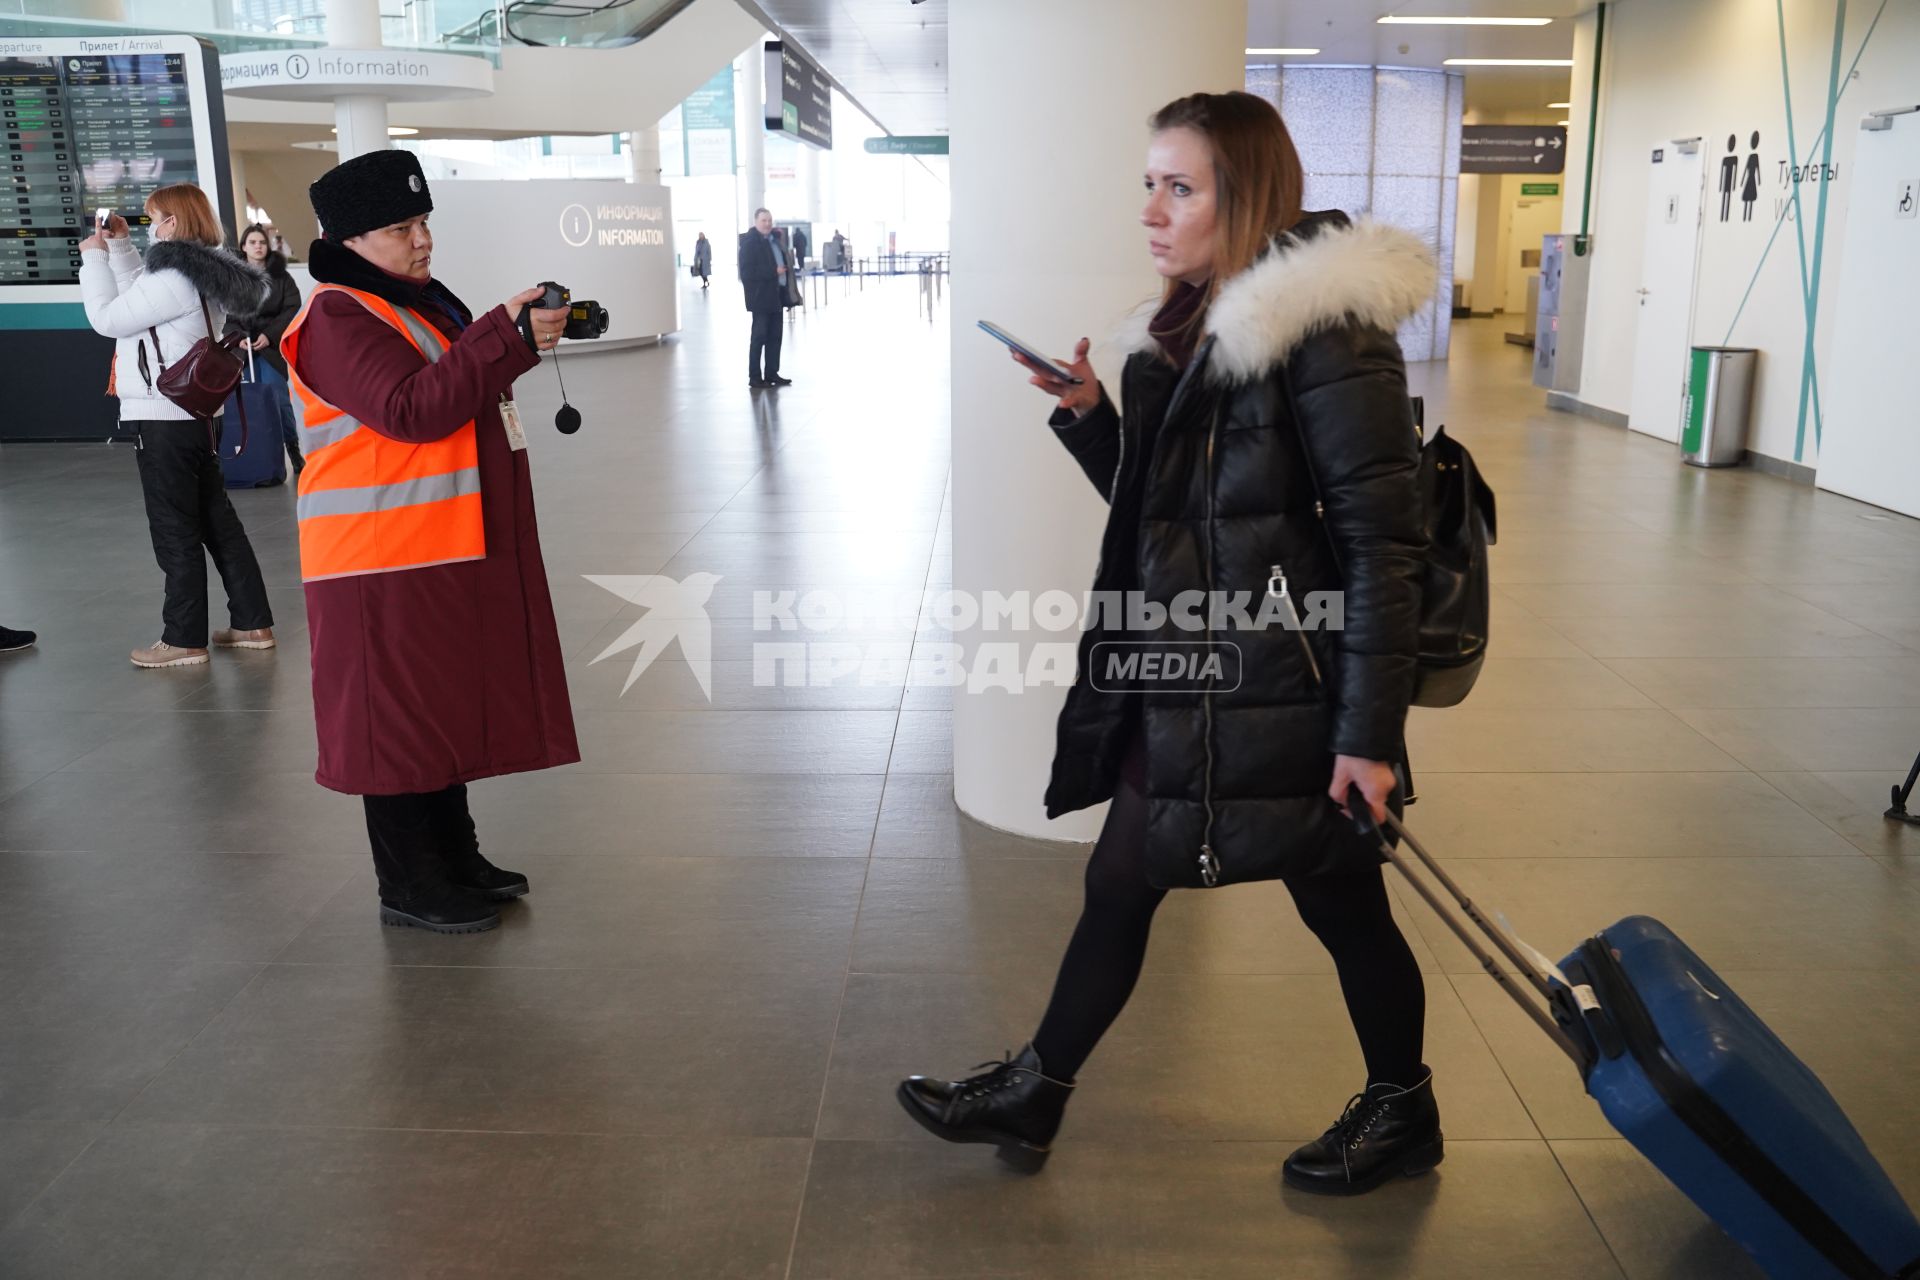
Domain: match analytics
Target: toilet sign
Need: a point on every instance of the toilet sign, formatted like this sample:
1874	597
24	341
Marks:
1906	197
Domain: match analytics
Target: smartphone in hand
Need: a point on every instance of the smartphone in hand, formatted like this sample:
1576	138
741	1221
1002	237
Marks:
1031	352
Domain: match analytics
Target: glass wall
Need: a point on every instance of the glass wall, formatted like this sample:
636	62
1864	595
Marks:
1385	142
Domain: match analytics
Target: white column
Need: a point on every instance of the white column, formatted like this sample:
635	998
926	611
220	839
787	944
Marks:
1067	258
353	24
750	131
810	166
643	151
360	123
359	119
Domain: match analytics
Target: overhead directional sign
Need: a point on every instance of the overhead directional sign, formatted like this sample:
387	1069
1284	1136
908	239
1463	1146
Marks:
799	96
900	144
1513	148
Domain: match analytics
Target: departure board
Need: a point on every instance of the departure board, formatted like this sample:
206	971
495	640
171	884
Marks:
85	131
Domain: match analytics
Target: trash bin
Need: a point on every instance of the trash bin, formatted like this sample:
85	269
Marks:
1719	402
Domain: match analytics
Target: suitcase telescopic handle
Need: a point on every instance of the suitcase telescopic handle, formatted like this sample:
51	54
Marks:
1522	956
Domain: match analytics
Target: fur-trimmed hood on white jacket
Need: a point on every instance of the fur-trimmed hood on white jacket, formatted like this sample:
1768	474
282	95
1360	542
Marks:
125	297
1329	272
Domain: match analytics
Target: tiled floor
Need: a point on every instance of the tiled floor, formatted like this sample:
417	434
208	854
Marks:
753	913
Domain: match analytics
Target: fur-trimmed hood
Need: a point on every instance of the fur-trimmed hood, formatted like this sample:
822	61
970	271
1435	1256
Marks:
222	279
1326	271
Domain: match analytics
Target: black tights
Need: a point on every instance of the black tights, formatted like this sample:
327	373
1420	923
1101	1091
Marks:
1348	913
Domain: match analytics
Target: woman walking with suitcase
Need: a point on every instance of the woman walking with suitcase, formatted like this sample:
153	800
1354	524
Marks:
157	309
1264	440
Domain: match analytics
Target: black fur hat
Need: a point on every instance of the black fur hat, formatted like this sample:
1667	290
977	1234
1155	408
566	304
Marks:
368	192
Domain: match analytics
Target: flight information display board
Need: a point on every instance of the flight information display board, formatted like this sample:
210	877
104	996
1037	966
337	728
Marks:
93	124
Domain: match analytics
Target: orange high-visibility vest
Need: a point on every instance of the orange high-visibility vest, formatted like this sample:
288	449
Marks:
372	504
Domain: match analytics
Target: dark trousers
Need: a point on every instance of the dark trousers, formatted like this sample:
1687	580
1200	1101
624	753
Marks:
188	511
767	333
418	838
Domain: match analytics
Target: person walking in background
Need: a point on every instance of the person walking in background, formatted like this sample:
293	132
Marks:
703	259
156	310
763	279
840	250
800	246
436	658
1274	335
263	328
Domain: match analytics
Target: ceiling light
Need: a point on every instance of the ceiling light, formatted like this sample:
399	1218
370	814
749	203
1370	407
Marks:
1465	22
1563	122
1559	106
393	131
1508	62
1283	53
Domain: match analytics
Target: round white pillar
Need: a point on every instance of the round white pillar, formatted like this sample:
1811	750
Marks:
360	124
643	152
750	130
1049	106
353	24
810	167
359	119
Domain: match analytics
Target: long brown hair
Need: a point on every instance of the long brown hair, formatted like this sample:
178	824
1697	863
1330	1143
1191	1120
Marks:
1257	179
193	217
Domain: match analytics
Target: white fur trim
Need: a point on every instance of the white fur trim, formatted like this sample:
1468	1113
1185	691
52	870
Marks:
1374	273
1131	335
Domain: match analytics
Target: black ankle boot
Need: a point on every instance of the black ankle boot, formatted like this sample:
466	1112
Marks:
440	908
1014	1106
477	876
1385	1132
459	840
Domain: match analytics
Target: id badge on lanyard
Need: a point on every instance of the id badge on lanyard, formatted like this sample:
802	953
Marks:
510	419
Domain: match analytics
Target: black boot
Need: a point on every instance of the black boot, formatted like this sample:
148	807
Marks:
1385	1132
460	847
1014	1106
414	891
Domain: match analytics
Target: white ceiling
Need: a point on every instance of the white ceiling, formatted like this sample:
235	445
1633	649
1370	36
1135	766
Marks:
891	55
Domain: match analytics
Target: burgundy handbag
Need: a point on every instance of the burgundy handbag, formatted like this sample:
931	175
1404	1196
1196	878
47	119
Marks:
201	380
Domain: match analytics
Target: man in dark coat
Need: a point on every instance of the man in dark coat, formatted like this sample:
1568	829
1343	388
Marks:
427	678
763	276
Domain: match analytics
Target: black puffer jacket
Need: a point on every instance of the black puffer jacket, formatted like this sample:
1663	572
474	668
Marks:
1224	503
282	304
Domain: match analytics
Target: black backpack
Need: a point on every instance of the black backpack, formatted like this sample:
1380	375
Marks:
1457	591
1456	588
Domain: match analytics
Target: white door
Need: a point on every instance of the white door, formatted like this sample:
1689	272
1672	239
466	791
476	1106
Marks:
1870	446
1665	294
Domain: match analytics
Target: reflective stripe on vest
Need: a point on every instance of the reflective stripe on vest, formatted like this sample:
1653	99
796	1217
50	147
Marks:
388	497
369	503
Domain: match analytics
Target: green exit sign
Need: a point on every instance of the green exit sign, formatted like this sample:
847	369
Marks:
1539	188
908	145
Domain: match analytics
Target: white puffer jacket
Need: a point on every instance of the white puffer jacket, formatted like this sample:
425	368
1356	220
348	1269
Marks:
126	297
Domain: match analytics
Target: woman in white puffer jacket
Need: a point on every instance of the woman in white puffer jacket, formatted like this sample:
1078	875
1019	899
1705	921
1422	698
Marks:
153	310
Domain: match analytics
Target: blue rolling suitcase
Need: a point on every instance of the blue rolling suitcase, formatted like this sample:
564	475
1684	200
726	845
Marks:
1701	1087
252	454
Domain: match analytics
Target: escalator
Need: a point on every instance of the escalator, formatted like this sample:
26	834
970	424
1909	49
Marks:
574	24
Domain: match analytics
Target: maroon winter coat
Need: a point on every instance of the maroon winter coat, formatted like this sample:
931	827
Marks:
423	678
